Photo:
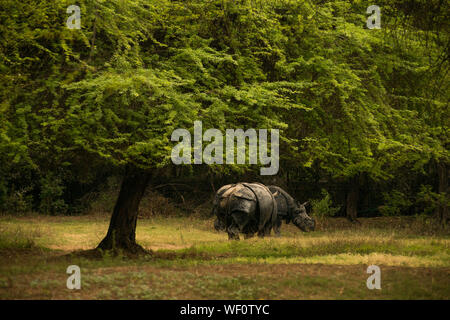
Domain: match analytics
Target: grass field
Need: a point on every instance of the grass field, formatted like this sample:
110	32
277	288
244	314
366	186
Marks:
190	260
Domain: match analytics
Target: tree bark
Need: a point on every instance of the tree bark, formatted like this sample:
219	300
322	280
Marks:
352	200
442	209
122	227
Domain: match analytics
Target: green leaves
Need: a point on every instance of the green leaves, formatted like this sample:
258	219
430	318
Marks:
346	98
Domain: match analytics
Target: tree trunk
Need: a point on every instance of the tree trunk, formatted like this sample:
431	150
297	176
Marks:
352	199
365	197
122	227
442	209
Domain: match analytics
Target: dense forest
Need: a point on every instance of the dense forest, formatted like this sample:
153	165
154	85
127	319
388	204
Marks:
363	114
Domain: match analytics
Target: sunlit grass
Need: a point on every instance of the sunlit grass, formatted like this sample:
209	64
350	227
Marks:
187	236
191	260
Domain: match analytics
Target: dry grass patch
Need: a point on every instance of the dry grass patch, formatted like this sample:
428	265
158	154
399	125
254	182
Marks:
192	261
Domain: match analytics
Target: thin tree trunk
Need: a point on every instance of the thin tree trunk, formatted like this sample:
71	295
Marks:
122	227
352	200
442	209
94	33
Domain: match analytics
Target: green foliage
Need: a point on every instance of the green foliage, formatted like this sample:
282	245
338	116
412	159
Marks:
17	201
395	203
348	100
432	200
50	196
323	207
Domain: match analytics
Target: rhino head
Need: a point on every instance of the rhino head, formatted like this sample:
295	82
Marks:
219	223
301	219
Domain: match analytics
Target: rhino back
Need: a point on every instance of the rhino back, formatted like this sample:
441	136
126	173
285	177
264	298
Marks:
234	198
282	205
289	202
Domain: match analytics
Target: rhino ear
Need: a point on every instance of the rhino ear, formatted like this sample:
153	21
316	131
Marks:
305	203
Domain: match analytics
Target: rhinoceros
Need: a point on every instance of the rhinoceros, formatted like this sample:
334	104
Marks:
290	210
244	208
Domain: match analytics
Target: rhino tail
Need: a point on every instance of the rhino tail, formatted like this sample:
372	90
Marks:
262	194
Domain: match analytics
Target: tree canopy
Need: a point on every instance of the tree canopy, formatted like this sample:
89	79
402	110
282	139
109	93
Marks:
348	100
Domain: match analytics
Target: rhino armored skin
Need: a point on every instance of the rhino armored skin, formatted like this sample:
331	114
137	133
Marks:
290	210
244	208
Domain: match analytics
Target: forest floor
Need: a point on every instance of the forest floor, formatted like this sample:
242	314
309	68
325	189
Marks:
190	260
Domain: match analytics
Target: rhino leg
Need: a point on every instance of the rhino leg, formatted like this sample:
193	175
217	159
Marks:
277	227
218	225
233	233
265	232
268	229
232	236
238	221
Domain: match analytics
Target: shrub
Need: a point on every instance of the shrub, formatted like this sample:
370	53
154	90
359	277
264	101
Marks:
155	204
431	199
395	203
17	201
322	208
52	189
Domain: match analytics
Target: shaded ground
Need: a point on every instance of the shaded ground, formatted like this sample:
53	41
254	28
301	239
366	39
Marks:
191	261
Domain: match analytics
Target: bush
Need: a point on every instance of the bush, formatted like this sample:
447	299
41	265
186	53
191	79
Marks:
155	204
17	202
431	200
51	195
395	203
322	208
